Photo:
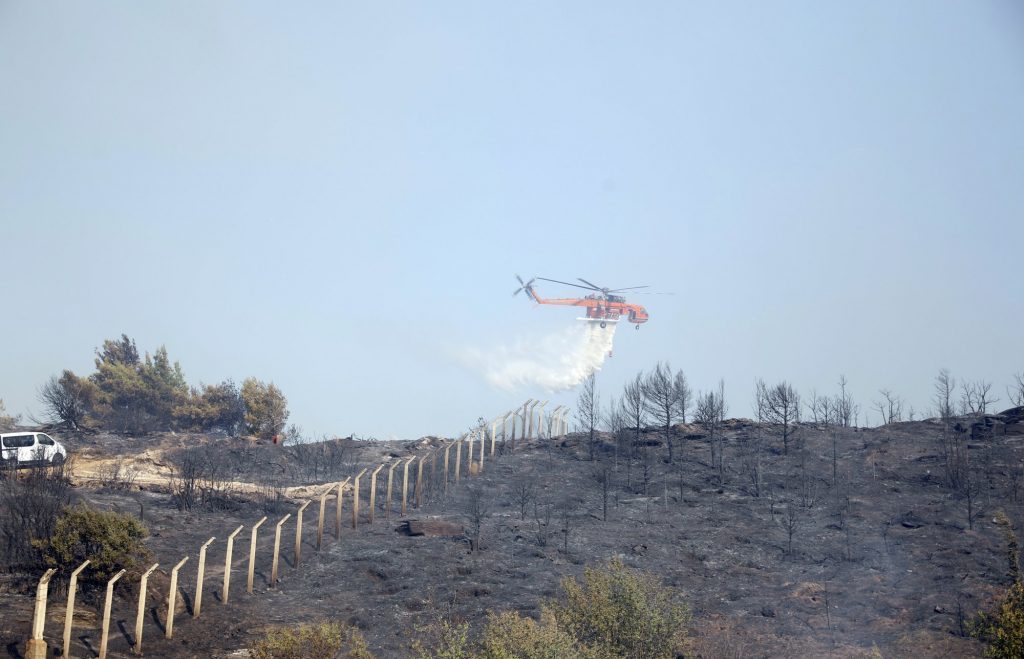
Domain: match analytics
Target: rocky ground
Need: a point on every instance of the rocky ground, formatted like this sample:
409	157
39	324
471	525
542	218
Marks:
851	540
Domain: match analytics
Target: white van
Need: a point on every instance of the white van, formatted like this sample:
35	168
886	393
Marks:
21	449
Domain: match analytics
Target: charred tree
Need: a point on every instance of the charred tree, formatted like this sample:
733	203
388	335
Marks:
780	406
588	413
666	398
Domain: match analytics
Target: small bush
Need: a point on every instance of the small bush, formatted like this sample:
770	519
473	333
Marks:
322	640
109	540
446	638
509	635
623	612
616	613
266	408
1004	629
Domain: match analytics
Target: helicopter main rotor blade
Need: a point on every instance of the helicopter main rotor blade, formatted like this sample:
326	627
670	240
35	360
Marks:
589	288
630	288
594	286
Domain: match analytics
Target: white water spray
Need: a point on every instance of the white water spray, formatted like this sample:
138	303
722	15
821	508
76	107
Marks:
555	362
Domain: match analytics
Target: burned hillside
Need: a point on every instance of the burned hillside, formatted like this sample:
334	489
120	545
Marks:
846	540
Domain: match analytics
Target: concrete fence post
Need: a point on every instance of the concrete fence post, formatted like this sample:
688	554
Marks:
105	634
458	458
140	611
391	478
419	480
517	415
373	491
252	554
201	573
277	550
469	453
35	647
405	482
172	599
553	421
483	437
298	533
447	450
540	420
355	498
522	428
339	502
227	563
320	519
69	614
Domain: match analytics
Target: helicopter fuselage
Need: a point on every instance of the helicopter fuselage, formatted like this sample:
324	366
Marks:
600	308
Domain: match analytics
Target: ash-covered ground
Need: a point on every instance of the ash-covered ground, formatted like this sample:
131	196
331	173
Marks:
851	540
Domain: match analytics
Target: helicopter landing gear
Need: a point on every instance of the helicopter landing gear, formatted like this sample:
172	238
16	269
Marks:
603	324
638	327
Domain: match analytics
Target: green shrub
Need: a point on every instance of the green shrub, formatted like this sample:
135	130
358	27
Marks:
132	393
266	408
1004	629
136	395
615	613
322	640
109	540
215	406
509	635
623	612
446	639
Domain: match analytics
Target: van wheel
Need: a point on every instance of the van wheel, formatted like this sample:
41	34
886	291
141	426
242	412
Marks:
57	460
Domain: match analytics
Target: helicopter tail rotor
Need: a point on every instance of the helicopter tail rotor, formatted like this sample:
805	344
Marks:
524	286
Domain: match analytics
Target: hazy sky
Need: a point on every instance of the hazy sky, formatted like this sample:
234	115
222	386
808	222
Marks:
336	196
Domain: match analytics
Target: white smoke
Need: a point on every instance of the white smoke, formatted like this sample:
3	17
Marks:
555	362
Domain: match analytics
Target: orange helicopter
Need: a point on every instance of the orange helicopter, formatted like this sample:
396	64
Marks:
603	306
